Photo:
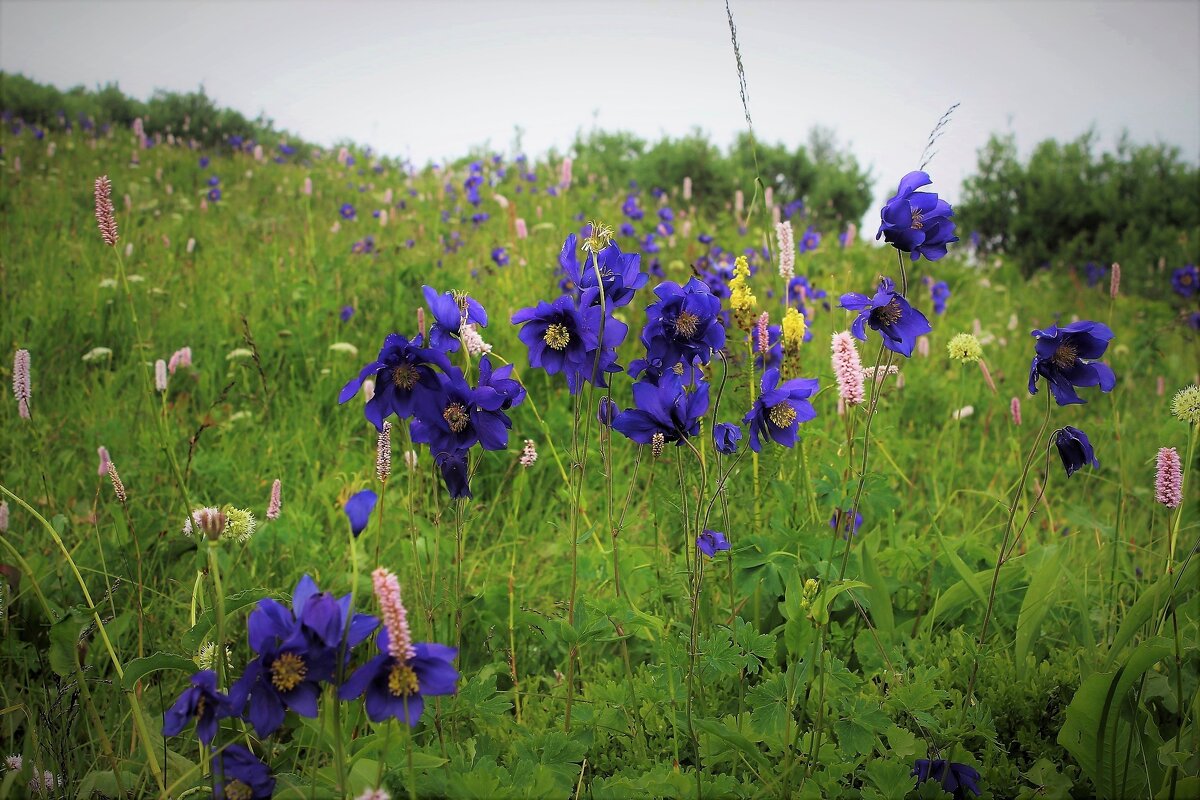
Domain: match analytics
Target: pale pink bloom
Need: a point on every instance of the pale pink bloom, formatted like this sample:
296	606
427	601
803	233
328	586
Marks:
17	164
564	176
987	375
306	189
522	230
1114	283
1161	386
395	616
776	215
180	358
880	373
204	204
841	407
275	504
191	245
769	196
787	250
923	346
964	412
1168	478
383	453
128	203
335	227
368	389
848	369
258	152
410	460
739	201
102	452
387	197
15	762
529	454
128	249
374	794
343	156
106	217
762	331
160	375
3	516
687	188
166	240
170	189
851	234
1014	408
977	327
501	200
900	381
50	153
21	382
383	218
686	228
471	339
539	212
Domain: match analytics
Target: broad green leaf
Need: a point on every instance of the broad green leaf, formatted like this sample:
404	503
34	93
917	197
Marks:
1036	604
877	594
234	603
140	667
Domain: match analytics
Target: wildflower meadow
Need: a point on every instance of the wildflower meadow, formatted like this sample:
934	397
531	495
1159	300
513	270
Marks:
328	475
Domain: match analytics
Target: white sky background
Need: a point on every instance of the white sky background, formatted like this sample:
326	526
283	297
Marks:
429	79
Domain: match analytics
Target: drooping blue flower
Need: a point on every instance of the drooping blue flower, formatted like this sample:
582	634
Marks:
939	293
607	411
396	687
500	380
347	211
889	313
1186	280
214	195
500	256
564	337
450	311
358	509
1075	449
200	701
683	325
456	473
710	542
631	209
779	410
402	371
620	273
1065	358
346	313
726	436
668	408
455	416
836	522
327	620
238	773
957	779
915	222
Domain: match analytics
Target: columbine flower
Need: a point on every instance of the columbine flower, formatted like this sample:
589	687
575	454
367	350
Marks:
1168	478
455	416
726	436
1185	405
500	256
450	311
939	293
456	474
847	368
683	324
780	409
358	510
607	411
666	412
347	211
1064	356
709	542
402	371
564	337
200	701
957	779
239	775
889	313
837	522
620	273
1186	280
397	681
917	222
965	348
1074	449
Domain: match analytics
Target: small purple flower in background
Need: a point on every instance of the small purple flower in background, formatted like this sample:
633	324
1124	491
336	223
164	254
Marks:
203	162
214	194
779	410
726	436
213	180
1065	358
915	222
957	779
346	313
500	257
1074	449
836	523
1095	272
810	241
239	774
1186	280
358	510
889	313
347	211
710	542
939	293
200	701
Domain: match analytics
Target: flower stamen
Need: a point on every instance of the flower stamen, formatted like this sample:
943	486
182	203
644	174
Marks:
889	314
456	417
287	672
781	415
402	681
557	336
1065	356
686	324
405	376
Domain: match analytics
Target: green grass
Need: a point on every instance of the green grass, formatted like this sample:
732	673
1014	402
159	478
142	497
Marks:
1080	598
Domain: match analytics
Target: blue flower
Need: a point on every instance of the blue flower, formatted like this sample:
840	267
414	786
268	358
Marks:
511	391
607	411
500	256
450	311
201	701
203	162
957	779
889	313
726	436
810	241
683	325
455	417
709	542
1074	449
667	408
1095	272
213	180
347	211
939	293
1064	357
326	620
346	313
915	222
631	209
396	687
214	194
779	409
456	473
358	509
836	523
565	337
1186	280
402	371
619	272
237	773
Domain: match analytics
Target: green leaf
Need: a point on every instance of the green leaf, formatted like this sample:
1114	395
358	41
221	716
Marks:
877	593
964	572
1036	604
64	642
732	736
233	603
820	605
1146	606
891	779
140	667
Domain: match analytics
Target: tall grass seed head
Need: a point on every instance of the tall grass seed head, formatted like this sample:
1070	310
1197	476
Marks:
1186	404
965	348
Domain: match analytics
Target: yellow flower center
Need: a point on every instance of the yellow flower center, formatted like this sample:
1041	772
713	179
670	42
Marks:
557	336
287	672
686	324
405	376
456	417
402	681
1065	356
236	790
781	415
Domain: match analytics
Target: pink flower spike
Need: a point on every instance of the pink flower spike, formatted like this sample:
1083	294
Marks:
395	616
848	369
1168	478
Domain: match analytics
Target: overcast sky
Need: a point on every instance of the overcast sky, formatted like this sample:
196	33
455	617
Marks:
429	79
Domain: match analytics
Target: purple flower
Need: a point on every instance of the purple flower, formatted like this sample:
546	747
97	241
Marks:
450	311
709	542
1074	449
957	779
836	522
810	241
347	211
726	436
779	410
607	411
455	416
683	324
939	293
565	337
402	371
214	194
346	313
620	272
358	510
1186	280
237	773
915	222
500	256
889	313
667	408
456	474
1065	358
396	687
200	701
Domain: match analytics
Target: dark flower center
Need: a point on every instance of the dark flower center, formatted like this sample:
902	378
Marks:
889	314
236	790
918	219
1065	356
405	376
402	681
456	417
200	706
657	443
557	336
686	324
782	415
287	672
